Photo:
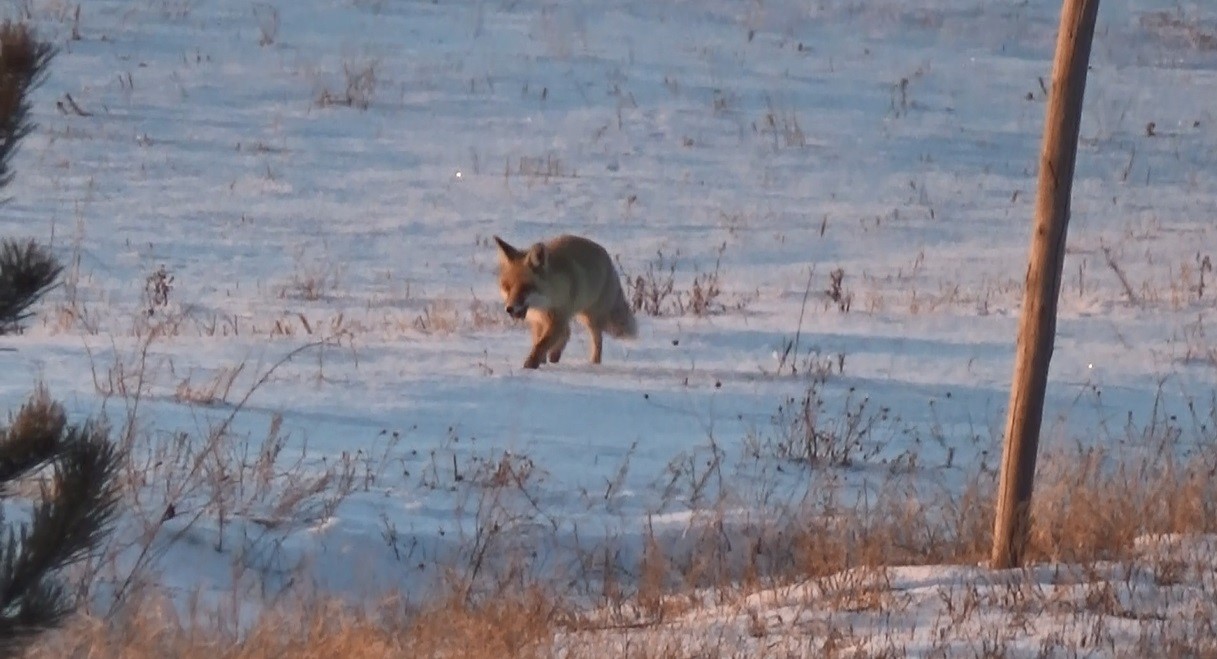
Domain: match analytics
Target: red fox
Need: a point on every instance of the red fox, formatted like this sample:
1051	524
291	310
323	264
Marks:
556	280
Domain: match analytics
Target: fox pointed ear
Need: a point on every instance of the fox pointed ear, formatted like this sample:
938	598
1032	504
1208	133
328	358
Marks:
538	257
506	250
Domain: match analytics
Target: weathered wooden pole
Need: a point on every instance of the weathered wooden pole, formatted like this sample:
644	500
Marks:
1037	324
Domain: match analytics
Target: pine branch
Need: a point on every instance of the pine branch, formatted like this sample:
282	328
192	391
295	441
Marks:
41	608
74	514
33	438
27	272
23	67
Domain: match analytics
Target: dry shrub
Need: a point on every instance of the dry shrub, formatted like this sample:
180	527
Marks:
901	527
1091	506
655	292
515	624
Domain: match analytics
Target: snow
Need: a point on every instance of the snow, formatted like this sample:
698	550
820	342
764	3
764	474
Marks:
778	140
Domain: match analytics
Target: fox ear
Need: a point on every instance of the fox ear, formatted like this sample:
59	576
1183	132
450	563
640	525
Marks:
506	250
538	257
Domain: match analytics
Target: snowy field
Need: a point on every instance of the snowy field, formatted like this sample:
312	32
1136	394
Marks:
280	284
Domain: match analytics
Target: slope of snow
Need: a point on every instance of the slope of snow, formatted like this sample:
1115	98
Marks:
332	275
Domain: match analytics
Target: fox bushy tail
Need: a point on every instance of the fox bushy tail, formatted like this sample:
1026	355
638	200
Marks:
621	322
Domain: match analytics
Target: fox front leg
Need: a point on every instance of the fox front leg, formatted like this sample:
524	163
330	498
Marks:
534	356
547	334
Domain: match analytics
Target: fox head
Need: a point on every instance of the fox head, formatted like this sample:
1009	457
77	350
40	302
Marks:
522	278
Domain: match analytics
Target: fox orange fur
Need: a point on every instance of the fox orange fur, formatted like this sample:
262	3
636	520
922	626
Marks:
563	278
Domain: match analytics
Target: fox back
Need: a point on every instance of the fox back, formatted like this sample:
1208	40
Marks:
564	277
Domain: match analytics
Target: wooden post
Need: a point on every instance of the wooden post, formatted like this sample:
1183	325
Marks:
1037	324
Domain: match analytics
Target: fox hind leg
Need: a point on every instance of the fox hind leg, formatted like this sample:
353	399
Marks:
595	328
559	343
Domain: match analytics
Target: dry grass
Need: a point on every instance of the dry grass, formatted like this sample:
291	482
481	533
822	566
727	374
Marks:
514	625
844	553
445	316
540	169
1177	27
154	629
360	80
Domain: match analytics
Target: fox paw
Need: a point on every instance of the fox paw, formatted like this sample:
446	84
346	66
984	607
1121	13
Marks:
532	362
554	357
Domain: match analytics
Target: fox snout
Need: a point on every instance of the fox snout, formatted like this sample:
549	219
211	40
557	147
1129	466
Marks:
517	301
517	311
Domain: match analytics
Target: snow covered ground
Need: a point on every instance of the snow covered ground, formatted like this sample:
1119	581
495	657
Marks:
320	179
